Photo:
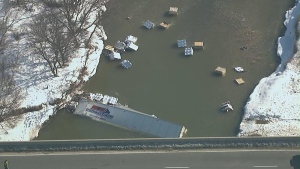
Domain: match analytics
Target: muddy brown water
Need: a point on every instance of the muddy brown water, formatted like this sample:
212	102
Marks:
174	87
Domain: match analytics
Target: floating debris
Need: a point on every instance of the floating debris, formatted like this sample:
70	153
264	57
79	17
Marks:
181	43
130	43
239	69
120	46
198	45
239	81
244	47
96	97
173	11
164	25
188	51
224	103
105	99
113	100
149	25
126	64
226	106
220	70
109	47
132	46
110	52
131	38
107	50
114	56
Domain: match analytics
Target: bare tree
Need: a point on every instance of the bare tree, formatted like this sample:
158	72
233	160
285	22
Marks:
51	40
8	107
57	32
81	15
9	94
7	20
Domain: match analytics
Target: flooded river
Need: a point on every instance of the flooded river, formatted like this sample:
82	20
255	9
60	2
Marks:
174	87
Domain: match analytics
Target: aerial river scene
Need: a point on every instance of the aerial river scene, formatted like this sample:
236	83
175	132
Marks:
182	89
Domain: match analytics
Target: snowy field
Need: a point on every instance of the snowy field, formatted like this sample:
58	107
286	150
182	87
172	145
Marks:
273	108
38	84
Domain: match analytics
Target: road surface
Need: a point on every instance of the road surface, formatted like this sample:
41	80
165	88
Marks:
204	159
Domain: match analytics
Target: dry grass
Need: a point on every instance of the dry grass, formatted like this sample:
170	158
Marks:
83	73
262	122
255	135
26	110
56	101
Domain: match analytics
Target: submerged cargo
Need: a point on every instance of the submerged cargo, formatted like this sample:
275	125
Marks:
127	118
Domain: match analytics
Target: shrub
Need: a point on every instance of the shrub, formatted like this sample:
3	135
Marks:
56	101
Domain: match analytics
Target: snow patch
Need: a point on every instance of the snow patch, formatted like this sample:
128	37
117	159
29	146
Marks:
38	84
273	108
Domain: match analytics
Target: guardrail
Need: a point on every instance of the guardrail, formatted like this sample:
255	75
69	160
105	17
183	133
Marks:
151	144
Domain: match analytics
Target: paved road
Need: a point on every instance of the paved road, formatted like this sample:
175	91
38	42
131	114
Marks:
225	159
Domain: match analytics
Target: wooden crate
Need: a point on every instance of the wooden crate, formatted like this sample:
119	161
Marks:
220	70
173	11
239	81
198	45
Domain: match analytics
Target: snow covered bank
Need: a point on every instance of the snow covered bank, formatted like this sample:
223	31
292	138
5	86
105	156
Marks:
273	108
39	86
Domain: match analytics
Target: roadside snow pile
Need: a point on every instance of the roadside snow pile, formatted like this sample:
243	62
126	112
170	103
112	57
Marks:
38	84
273	108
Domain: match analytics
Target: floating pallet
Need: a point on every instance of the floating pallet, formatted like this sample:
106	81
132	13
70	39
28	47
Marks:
239	81
188	51
181	43
164	25
149	25
126	64
220	70
198	45
173	11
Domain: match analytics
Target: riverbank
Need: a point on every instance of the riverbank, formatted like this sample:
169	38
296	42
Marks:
273	107
40	87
